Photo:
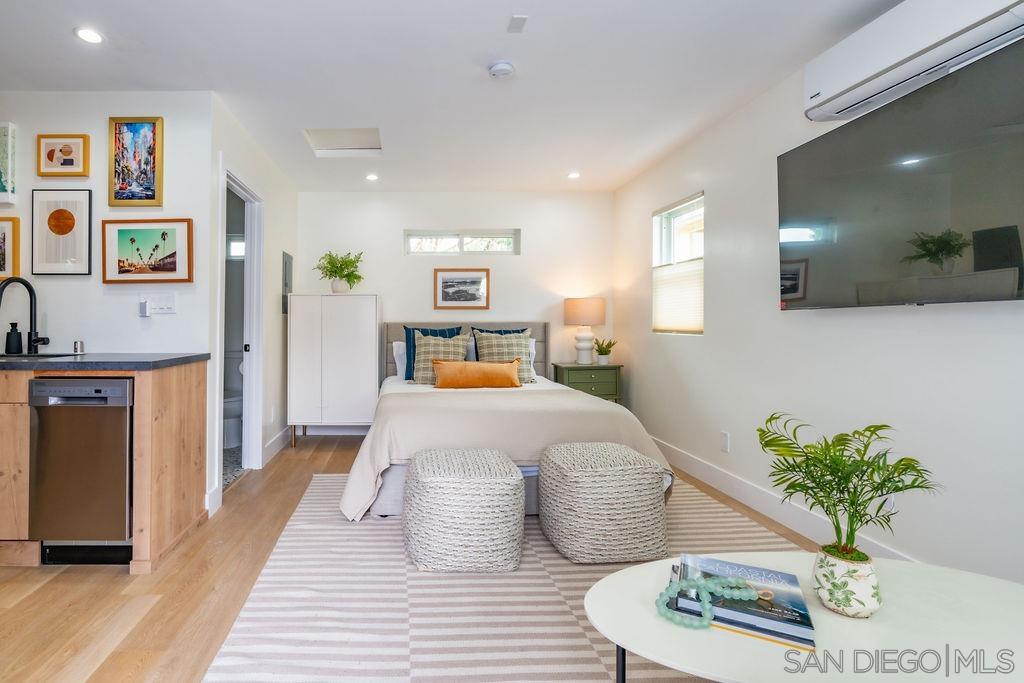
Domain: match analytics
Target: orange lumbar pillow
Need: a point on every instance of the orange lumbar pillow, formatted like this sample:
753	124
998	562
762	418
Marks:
461	374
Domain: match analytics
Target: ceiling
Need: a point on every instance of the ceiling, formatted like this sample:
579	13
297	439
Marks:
602	87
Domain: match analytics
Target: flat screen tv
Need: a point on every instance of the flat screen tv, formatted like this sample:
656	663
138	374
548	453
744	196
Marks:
918	202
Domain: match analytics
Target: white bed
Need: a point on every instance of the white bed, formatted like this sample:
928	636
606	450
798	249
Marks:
520	422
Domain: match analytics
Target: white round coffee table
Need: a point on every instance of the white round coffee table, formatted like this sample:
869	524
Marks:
929	616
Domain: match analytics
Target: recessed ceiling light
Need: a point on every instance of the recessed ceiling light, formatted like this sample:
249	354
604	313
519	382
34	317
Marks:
573	175
372	177
89	35
910	162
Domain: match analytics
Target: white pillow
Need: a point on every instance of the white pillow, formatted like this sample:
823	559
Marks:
471	349
398	350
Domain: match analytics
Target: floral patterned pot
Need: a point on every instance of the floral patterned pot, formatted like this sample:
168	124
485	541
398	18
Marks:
845	586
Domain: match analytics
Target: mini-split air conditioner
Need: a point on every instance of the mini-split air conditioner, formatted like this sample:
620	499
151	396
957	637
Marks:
911	45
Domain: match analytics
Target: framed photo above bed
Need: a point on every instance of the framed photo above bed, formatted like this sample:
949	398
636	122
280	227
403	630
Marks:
462	289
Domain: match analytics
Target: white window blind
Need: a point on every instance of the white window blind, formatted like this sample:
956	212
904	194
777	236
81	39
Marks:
677	291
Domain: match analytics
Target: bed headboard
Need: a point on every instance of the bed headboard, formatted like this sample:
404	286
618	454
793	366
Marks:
394	332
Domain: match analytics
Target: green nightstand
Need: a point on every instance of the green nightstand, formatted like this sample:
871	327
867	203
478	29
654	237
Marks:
603	381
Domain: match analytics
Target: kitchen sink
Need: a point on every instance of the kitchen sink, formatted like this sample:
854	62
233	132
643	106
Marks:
34	356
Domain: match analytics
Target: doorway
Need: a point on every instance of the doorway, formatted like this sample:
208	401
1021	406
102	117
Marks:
234	337
240	347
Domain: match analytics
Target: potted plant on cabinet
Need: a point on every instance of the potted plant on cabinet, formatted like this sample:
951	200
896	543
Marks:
851	478
604	349
940	250
338	268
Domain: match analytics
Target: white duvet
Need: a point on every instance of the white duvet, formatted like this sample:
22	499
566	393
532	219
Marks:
520	422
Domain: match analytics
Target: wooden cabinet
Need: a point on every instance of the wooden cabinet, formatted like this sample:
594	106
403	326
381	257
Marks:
603	381
333	359
14	430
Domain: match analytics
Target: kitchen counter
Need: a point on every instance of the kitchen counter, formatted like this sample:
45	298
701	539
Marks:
102	361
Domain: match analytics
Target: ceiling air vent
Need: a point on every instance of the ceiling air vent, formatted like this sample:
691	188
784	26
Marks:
344	142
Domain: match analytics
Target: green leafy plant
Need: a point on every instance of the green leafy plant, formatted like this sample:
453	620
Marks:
604	346
937	248
849	477
334	267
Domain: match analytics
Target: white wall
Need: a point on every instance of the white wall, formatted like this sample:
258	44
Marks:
74	307
946	376
566	251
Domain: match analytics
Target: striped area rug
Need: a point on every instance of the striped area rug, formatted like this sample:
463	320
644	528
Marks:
340	601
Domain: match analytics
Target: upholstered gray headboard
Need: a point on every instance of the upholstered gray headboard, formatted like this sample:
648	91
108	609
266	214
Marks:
394	332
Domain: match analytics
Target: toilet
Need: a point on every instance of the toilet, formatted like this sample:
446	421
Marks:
232	399
232	419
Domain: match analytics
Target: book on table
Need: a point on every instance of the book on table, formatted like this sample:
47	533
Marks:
779	613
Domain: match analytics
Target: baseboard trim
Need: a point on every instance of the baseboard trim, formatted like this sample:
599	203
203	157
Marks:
214	498
276	444
767	502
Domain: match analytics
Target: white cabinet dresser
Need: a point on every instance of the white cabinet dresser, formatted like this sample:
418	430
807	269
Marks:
333	359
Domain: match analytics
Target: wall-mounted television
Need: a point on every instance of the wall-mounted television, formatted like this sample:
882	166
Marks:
920	201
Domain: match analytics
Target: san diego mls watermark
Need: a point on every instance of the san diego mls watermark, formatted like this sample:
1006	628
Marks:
946	661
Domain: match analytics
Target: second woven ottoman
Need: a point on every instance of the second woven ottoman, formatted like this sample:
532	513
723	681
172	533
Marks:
463	511
602	502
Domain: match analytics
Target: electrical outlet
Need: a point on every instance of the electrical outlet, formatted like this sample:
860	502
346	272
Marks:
725	442
157	304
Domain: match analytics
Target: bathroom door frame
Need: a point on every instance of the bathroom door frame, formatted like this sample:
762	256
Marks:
252	326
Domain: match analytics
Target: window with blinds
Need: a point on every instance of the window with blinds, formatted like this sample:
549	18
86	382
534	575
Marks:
678	268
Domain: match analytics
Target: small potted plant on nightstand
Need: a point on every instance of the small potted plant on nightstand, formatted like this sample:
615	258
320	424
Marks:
337	268
604	349
851	480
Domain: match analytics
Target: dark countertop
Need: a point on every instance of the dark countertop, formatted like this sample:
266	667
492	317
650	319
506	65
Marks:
102	361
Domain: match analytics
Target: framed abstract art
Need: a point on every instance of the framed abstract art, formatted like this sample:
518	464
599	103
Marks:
136	161
10	247
147	250
62	155
61	232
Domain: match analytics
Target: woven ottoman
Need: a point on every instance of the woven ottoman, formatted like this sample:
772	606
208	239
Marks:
463	511
602	502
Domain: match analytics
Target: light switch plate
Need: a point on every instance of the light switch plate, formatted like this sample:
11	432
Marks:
161	303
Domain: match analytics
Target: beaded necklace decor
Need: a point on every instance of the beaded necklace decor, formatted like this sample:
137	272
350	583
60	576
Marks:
732	587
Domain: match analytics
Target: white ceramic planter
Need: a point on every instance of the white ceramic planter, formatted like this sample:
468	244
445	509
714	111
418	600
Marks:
847	587
602	360
339	286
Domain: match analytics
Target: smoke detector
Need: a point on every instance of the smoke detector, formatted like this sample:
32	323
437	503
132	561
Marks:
502	70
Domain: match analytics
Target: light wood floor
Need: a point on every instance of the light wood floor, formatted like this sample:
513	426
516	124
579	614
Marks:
82	623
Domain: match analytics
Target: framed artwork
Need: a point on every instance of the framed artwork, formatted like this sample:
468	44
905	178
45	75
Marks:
62	155
462	288
61	232
144	250
136	161
794	279
7	140
10	247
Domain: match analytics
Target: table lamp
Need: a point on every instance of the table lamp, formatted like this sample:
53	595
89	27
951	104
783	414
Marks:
583	313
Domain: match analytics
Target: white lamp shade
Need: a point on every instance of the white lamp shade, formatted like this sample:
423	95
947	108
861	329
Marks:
584	311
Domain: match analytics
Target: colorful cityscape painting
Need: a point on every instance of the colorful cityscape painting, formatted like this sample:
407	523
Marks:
146	250
136	172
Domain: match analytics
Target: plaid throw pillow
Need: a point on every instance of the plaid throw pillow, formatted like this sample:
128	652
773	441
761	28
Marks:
502	348
429	349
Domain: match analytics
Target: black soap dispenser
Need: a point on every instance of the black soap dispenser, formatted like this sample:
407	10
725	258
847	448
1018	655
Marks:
13	346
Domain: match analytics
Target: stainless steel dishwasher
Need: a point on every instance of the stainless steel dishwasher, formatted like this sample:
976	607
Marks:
80	469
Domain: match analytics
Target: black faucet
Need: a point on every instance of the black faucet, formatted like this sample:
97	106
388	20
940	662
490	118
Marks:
34	340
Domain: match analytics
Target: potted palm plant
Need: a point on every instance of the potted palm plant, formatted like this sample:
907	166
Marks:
851	478
340	268
604	349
